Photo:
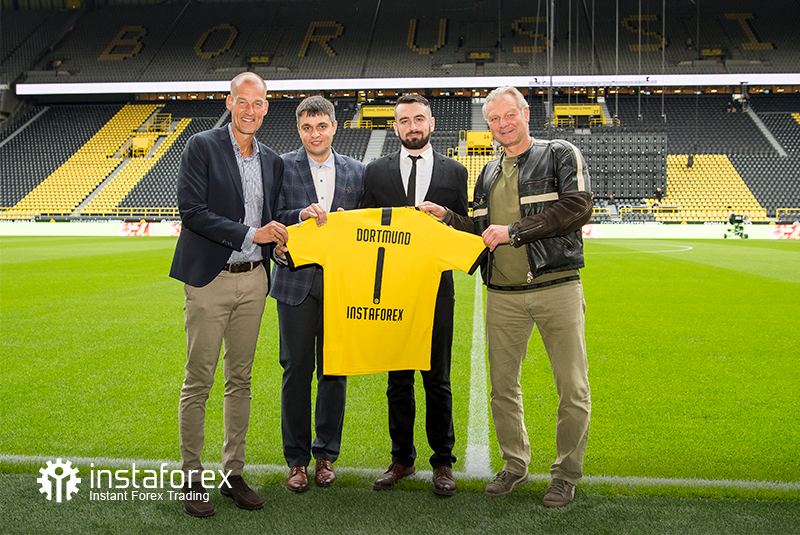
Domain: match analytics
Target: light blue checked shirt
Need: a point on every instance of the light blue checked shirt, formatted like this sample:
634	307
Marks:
253	189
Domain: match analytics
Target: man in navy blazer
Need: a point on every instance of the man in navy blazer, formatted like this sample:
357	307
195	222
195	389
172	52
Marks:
317	180
414	174
227	188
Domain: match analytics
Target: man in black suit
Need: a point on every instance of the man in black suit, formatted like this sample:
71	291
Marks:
227	187
414	174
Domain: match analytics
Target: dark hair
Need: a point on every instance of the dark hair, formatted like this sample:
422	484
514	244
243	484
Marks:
409	99
316	105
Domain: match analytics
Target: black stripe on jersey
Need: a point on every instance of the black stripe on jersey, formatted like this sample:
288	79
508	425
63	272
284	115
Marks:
376	295
386	217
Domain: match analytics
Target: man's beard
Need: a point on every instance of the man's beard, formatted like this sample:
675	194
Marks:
412	144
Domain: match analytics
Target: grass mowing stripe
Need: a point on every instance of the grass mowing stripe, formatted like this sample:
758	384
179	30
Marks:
362	510
682	249
478	456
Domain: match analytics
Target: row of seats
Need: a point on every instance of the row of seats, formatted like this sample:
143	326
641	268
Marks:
23	162
308	39
158	188
63	190
762	184
711	186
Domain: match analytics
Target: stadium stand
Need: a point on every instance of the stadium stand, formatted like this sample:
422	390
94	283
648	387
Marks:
19	121
452	114
695	124
24	34
627	165
107	44
63	190
45	145
158	188
117	189
709	190
305	39
736	164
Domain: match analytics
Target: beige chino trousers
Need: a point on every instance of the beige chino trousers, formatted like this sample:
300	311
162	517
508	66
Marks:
226	311
558	311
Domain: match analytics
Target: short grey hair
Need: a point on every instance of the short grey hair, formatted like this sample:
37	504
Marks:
499	93
316	105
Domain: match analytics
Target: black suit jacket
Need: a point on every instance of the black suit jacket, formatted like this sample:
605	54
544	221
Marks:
383	186
211	204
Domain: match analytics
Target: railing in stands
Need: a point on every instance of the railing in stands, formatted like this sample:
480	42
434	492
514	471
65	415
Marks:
570	123
600	210
363	123
783	214
159	122
473	151
600	122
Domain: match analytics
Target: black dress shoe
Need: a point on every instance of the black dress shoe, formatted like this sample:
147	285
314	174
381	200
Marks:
395	473
196	501
243	496
444	484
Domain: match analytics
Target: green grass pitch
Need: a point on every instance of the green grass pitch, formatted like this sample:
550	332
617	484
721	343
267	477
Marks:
694	358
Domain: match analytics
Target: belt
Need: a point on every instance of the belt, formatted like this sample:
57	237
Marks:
241	267
534	286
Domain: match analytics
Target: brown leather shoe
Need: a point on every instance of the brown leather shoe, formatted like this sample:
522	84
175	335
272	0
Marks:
324	475
395	473
444	484
243	496
196	501
298	479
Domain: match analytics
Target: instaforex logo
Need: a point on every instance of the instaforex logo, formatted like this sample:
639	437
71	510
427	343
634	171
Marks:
59	471
134	484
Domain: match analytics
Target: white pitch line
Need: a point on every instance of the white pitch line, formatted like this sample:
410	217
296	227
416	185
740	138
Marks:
477	458
269	469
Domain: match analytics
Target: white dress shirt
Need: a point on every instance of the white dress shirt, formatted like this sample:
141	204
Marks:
424	172
324	175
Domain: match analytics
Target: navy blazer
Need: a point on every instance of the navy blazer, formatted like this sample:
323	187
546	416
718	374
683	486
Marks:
211	204
383	186
298	191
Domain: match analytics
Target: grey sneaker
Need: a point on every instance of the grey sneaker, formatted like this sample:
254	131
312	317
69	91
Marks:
559	493
503	483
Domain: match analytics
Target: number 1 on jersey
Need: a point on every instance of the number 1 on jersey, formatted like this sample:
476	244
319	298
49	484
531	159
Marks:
376	296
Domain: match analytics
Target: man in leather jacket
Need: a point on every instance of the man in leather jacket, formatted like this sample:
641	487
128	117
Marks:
529	207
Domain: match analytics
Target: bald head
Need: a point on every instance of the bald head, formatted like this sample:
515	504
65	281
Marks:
247	77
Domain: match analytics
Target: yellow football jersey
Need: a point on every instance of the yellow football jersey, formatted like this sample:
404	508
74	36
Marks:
381	268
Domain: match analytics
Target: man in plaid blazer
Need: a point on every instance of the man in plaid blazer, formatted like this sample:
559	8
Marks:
317	180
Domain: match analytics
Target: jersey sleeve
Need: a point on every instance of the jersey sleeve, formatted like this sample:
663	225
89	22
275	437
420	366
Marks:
455	249
308	243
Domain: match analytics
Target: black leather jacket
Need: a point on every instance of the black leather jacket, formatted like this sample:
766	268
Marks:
555	202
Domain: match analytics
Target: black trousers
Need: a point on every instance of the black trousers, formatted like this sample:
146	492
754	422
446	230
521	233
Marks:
438	397
300	351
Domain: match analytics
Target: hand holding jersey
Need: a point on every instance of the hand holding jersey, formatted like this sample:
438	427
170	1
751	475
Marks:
382	268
